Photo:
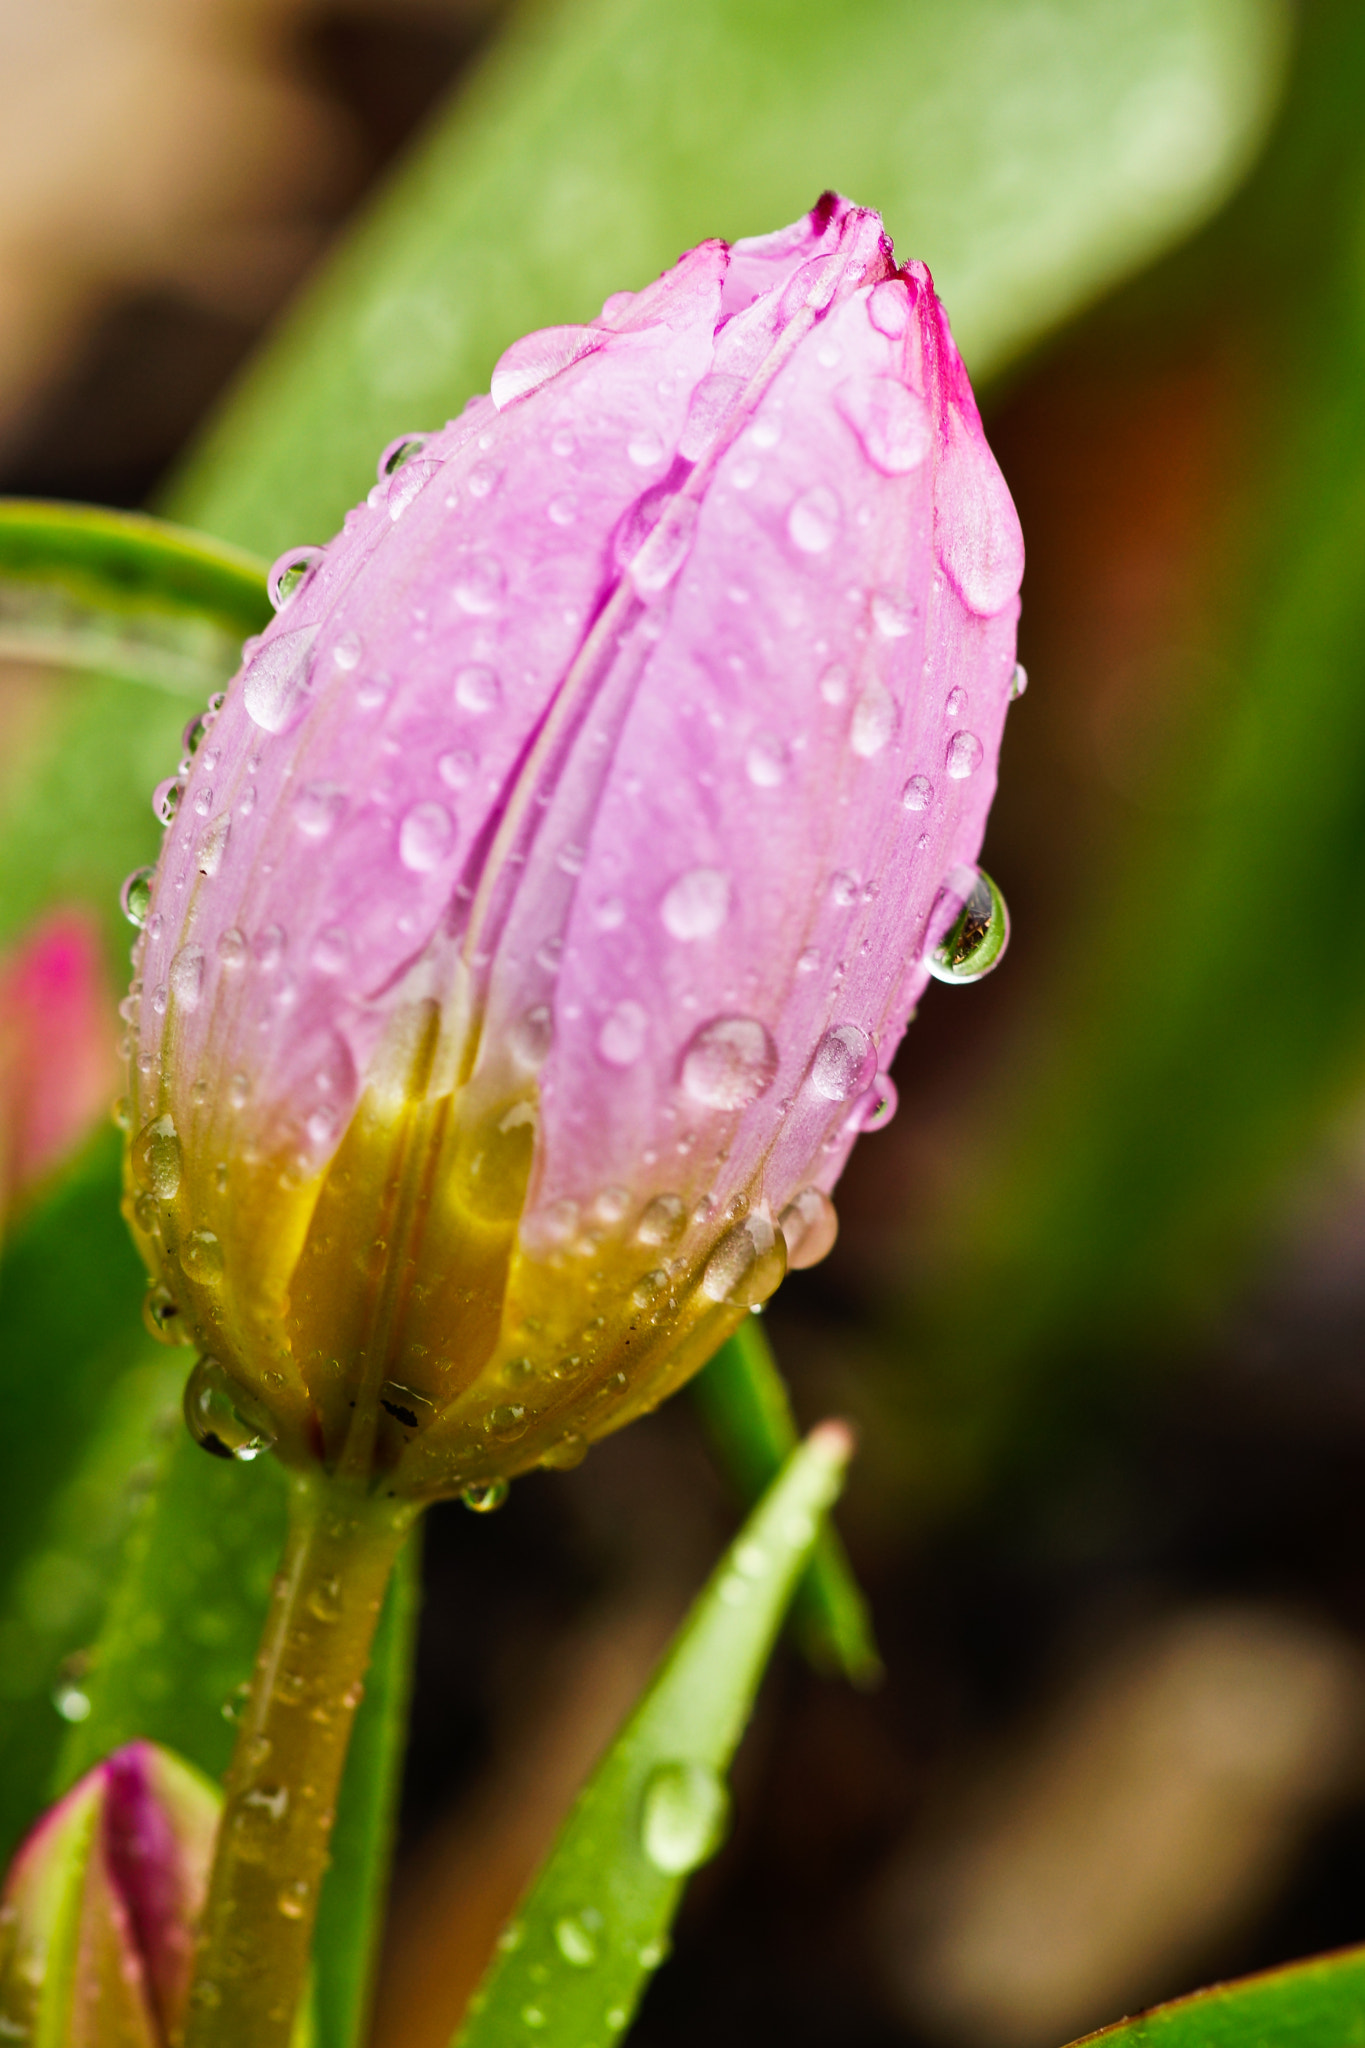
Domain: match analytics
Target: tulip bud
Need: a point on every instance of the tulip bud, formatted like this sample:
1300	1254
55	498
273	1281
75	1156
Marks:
56	1048
99	1908
541	911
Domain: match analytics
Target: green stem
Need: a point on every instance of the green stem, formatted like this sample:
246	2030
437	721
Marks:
282	1786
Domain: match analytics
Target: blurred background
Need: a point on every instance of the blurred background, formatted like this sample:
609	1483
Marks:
1098	1302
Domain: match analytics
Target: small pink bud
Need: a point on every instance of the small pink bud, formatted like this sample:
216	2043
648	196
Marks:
57	1068
545	906
99	1909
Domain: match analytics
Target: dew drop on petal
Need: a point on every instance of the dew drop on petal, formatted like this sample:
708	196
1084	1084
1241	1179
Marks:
155	1158
477	688
766	761
813	521
457	770
231	948
697	904
213	845
399	453
729	1063
964	756
479	584
135	897
834	684
201	1255
747	1265
317	809
874	720
918	793
663	1220
425	837
166	798
187	976
842	1063
809	1225
888	307
224	1420
891	422
563	510
645	449
531	1037
275	691
289	572
535	358
682	1816
621	1039
893	616
347	650
878	1104
1018	682
331	951
978	934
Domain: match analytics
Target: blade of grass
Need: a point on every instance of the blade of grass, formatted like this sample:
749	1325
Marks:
748	1413
574	1962
1317	2004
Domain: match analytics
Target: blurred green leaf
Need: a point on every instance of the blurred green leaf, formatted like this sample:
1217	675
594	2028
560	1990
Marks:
573	1963
1205	1009
1318	2004
1031	155
748	1414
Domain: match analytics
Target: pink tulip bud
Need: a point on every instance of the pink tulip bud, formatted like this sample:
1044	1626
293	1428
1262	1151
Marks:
99	1908
541	911
57	1069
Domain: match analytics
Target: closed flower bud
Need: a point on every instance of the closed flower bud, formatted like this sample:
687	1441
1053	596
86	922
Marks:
99	1908
541	911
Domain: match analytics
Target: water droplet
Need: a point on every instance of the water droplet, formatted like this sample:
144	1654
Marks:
576	1938
842	1063
893	616
399	453
73	1704
483	480
506	1423
326	1602
485	1496
477	688
813	521
533	2015
697	904
621	1039
318	808
917	794
187	976
156	1158
834	684
766	431
891	422
888	307
729	1062
161	1315
213	845
203	802
766	761
682	1816
201	1255
166	798
663	1220
964	756
425	837
978	934
222	1417
293	1899
231	947
878	1104
531	1037
275	690
650	1954
267	948
347	650
645	449
331	950
1018	682
563	510
874	720
747	1264
845	889
535	358
810	1226
569	1452
135	897
661	555
289	572
955	703
479	585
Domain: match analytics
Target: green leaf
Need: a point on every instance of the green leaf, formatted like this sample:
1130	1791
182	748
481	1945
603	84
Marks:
1317	2004
747	1411
1031	155
572	1965
351	1909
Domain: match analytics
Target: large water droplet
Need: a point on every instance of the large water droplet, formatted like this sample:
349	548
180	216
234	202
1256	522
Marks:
682	1816
222	1417
135	897
810	1226
978	934
1018	682
964	756
891	422
843	1063
729	1062
479	584
166	798
533	360
275	690
663	1220
697	904
874	720
485	1496
399	453
425	837
477	688
213	845
893	616
878	1104
156	1158
160	1309
289	572
917	793
201	1255
813	521
187	976
621	1039
576	1937
747	1264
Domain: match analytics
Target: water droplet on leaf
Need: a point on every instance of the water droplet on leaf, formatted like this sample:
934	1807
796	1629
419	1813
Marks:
682	1816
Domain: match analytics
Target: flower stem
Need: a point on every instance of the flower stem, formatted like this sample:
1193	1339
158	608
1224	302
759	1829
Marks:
256	1938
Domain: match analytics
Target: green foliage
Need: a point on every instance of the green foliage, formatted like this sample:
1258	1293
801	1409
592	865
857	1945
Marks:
748	1414
1030	155
573	1963
1319	2004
